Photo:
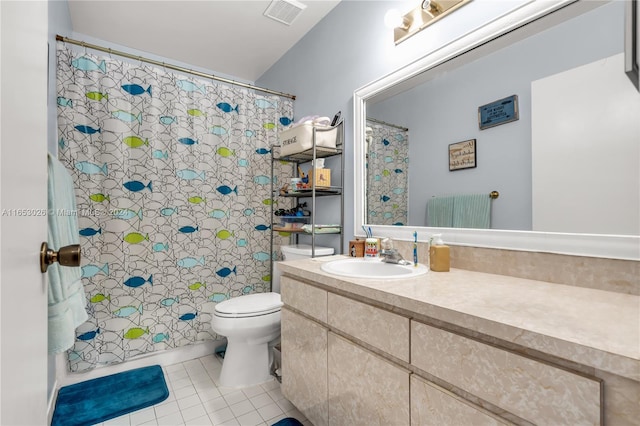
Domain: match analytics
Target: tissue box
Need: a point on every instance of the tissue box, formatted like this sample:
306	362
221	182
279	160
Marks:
300	138
322	177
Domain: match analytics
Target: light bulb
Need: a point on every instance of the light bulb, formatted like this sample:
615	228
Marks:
393	19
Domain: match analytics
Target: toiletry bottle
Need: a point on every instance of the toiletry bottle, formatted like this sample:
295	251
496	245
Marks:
438	254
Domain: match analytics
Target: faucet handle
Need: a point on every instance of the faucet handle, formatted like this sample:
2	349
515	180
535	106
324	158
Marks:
386	244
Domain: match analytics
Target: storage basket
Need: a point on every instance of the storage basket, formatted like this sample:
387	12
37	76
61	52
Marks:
300	138
294	222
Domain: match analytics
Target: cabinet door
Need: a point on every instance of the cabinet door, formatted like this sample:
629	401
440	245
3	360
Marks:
365	389
304	365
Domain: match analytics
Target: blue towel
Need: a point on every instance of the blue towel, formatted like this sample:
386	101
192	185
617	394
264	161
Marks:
66	295
440	211
287	421
472	211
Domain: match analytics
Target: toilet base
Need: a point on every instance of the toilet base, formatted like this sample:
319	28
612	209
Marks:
245	364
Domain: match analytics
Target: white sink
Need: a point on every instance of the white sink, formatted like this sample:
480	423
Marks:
360	268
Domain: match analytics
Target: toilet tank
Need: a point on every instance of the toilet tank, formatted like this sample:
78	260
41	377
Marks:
303	251
292	252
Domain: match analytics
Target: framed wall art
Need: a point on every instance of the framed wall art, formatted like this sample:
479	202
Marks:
462	155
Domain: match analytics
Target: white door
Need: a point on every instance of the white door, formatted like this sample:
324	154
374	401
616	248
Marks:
23	199
586	117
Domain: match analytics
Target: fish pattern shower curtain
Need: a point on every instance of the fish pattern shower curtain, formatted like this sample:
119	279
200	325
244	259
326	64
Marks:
387	174
173	186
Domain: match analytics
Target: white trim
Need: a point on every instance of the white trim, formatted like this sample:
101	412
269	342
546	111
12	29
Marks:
624	247
51	406
604	246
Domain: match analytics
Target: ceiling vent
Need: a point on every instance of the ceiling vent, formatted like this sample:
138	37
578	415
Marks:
285	11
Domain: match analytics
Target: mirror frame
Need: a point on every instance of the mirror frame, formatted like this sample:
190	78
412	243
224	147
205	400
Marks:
593	245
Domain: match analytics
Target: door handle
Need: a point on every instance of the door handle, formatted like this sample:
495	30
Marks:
66	256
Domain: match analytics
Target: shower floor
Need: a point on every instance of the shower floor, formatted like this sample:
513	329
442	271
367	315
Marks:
195	399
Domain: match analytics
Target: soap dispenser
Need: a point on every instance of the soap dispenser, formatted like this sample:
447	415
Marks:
439	258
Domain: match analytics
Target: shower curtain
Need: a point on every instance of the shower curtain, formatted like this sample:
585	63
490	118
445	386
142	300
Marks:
387	175
173	186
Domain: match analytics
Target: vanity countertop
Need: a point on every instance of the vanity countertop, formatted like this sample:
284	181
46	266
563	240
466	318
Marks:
595	328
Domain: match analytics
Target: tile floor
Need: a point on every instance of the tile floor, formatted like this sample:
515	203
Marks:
195	399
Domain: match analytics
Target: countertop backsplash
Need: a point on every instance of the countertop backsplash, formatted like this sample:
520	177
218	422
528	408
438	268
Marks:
621	276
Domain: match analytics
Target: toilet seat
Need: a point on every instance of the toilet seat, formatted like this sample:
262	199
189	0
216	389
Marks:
251	305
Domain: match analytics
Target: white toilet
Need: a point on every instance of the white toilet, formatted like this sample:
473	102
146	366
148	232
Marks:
292	252
251	325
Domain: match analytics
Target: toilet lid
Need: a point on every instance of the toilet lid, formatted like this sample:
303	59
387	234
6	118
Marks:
250	305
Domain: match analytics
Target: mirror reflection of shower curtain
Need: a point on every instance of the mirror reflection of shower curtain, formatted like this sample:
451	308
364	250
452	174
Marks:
173	188
387	165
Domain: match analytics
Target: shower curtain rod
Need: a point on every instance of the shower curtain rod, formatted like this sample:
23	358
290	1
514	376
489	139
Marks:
170	66
387	124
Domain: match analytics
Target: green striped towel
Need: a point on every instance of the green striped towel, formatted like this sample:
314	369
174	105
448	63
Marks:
440	211
472	211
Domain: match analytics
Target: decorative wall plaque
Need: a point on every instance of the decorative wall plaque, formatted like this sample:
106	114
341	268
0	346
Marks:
499	112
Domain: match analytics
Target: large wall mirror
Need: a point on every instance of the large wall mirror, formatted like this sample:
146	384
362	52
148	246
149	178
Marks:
565	161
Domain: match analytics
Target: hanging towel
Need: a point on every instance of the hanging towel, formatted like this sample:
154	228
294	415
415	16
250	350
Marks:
66	294
440	211
472	211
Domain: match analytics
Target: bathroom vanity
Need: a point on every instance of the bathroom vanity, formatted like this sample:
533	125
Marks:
460	347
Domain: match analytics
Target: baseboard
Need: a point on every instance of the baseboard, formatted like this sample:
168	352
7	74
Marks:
162	358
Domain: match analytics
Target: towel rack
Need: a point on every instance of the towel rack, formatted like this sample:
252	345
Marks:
493	195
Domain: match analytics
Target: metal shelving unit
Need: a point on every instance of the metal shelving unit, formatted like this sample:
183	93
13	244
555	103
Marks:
314	192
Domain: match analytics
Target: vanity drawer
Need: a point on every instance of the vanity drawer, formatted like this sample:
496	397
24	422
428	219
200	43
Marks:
304	297
433	405
382	329
532	390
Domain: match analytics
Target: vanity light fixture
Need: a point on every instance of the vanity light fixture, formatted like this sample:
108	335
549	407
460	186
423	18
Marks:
428	12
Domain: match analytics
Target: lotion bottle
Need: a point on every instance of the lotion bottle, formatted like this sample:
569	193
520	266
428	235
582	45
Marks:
439	258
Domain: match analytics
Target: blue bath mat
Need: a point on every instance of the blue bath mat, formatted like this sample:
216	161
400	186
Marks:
289	421
104	398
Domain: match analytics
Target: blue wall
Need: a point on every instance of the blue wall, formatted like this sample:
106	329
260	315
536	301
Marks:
351	47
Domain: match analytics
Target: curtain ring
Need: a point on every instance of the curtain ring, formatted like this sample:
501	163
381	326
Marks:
110	57
83	44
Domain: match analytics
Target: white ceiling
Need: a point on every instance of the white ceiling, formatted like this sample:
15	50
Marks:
230	37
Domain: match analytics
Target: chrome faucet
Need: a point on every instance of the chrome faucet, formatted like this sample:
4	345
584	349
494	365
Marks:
390	255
